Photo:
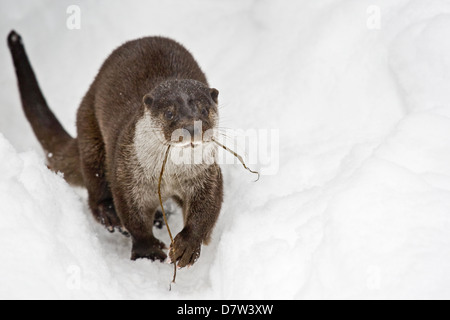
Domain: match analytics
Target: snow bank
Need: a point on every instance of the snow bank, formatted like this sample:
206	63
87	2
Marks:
360	206
43	233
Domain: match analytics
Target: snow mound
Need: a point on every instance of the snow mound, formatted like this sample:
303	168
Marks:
43	235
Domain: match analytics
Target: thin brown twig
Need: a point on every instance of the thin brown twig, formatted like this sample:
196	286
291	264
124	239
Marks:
164	213
238	157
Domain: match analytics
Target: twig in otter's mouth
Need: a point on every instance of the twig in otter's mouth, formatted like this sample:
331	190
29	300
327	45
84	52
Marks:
164	213
238	157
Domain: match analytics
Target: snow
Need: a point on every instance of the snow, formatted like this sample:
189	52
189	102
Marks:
360	204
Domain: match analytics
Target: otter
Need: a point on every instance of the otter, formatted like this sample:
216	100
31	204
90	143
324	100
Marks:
145	90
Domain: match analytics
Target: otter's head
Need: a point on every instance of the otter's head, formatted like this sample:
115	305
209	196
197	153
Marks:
185	112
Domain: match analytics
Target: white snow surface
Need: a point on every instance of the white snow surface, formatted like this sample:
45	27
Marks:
360	206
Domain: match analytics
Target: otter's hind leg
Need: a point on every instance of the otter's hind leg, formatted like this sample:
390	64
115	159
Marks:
92	163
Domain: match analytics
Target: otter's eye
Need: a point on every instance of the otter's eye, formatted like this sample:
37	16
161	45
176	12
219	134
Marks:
168	115
205	112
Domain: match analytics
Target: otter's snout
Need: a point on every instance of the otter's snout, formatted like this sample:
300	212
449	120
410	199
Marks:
195	131
189	133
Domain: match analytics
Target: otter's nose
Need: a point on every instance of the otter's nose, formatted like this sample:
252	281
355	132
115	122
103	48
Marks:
195	131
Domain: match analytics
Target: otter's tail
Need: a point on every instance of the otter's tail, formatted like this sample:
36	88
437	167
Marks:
61	149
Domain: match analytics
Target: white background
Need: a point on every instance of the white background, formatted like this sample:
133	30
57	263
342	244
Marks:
360	206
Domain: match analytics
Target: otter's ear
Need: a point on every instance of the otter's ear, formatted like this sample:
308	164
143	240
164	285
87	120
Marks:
214	95
148	100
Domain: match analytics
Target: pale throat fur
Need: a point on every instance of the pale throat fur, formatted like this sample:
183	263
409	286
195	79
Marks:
150	148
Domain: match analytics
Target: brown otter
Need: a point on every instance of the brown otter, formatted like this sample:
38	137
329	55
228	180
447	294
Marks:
145	90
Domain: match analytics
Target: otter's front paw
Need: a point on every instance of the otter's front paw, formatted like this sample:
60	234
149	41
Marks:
148	249
185	249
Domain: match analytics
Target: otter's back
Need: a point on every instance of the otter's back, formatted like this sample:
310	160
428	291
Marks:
133	70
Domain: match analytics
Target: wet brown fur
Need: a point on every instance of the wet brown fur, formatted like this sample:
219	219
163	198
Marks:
126	97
